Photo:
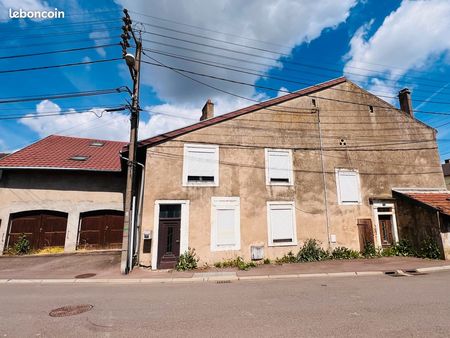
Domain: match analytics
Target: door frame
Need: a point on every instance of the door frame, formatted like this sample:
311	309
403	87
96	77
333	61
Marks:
391	213
184	228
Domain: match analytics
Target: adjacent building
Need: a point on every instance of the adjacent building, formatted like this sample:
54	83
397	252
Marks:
258	182
446	171
63	191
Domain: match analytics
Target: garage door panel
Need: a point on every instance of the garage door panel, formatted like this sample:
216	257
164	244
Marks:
101	230
41	228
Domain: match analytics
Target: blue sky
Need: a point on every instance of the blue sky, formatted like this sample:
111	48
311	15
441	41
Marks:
383	46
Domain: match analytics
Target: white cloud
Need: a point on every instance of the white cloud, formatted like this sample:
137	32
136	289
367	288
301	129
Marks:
410	38
87	59
283	24
26	5
100	36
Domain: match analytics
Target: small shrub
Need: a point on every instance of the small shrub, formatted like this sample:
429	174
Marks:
187	261
235	263
342	252
287	258
22	246
266	261
389	251
429	249
370	251
242	265
311	251
404	248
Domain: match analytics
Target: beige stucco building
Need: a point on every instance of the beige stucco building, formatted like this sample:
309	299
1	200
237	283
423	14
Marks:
319	163
63	191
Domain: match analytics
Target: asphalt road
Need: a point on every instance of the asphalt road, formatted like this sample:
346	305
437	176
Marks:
379	306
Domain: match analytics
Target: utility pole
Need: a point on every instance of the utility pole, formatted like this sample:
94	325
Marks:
134	65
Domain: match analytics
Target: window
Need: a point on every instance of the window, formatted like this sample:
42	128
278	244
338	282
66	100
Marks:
225	223
371	109
348	189
79	158
201	165
97	144
279	167
281	223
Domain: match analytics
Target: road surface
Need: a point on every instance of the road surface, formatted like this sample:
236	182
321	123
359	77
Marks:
376	306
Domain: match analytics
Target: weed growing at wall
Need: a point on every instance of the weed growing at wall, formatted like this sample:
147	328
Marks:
22	246
187	261
429	249
238	262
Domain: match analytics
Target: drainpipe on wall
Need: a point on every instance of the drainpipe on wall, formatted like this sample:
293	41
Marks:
325	191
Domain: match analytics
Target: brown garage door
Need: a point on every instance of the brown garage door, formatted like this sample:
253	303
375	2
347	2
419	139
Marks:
42	228
101	230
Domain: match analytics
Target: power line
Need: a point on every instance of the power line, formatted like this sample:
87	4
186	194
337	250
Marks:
181	70
271	65
288	48
267	57
59	113
64	95
259	74
58	66
57	51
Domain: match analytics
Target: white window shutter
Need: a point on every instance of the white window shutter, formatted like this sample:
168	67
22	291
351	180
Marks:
201	162
279	166
225	223
282	224
349	186
225	227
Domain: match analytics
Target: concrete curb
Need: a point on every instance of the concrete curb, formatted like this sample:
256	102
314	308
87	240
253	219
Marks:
229	277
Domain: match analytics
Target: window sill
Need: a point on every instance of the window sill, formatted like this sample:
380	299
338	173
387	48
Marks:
282	244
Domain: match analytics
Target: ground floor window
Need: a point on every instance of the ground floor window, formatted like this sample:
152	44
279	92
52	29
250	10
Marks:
225	223
281	223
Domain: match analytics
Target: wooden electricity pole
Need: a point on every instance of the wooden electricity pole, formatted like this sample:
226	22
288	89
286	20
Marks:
134	65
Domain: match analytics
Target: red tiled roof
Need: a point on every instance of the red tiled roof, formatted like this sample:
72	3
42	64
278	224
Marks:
3	155
54	152
202	124
439	200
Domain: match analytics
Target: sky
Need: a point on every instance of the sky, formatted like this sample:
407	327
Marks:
273	46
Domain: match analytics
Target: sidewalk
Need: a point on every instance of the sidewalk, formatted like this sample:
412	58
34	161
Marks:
104	267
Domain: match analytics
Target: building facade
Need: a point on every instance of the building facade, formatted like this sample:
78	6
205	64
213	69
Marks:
63	191
257	182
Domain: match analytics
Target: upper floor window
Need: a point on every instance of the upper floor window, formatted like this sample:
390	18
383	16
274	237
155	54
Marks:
201	165
348	186
279	167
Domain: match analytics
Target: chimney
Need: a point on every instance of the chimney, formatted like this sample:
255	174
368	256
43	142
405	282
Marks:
447	160
208	110
404	96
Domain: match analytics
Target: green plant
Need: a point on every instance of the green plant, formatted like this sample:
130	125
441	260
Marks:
266	261
342	252
389	251
238	262
404	248
429	249
242	265
287	258
22	246
370	251
187	260
311	251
